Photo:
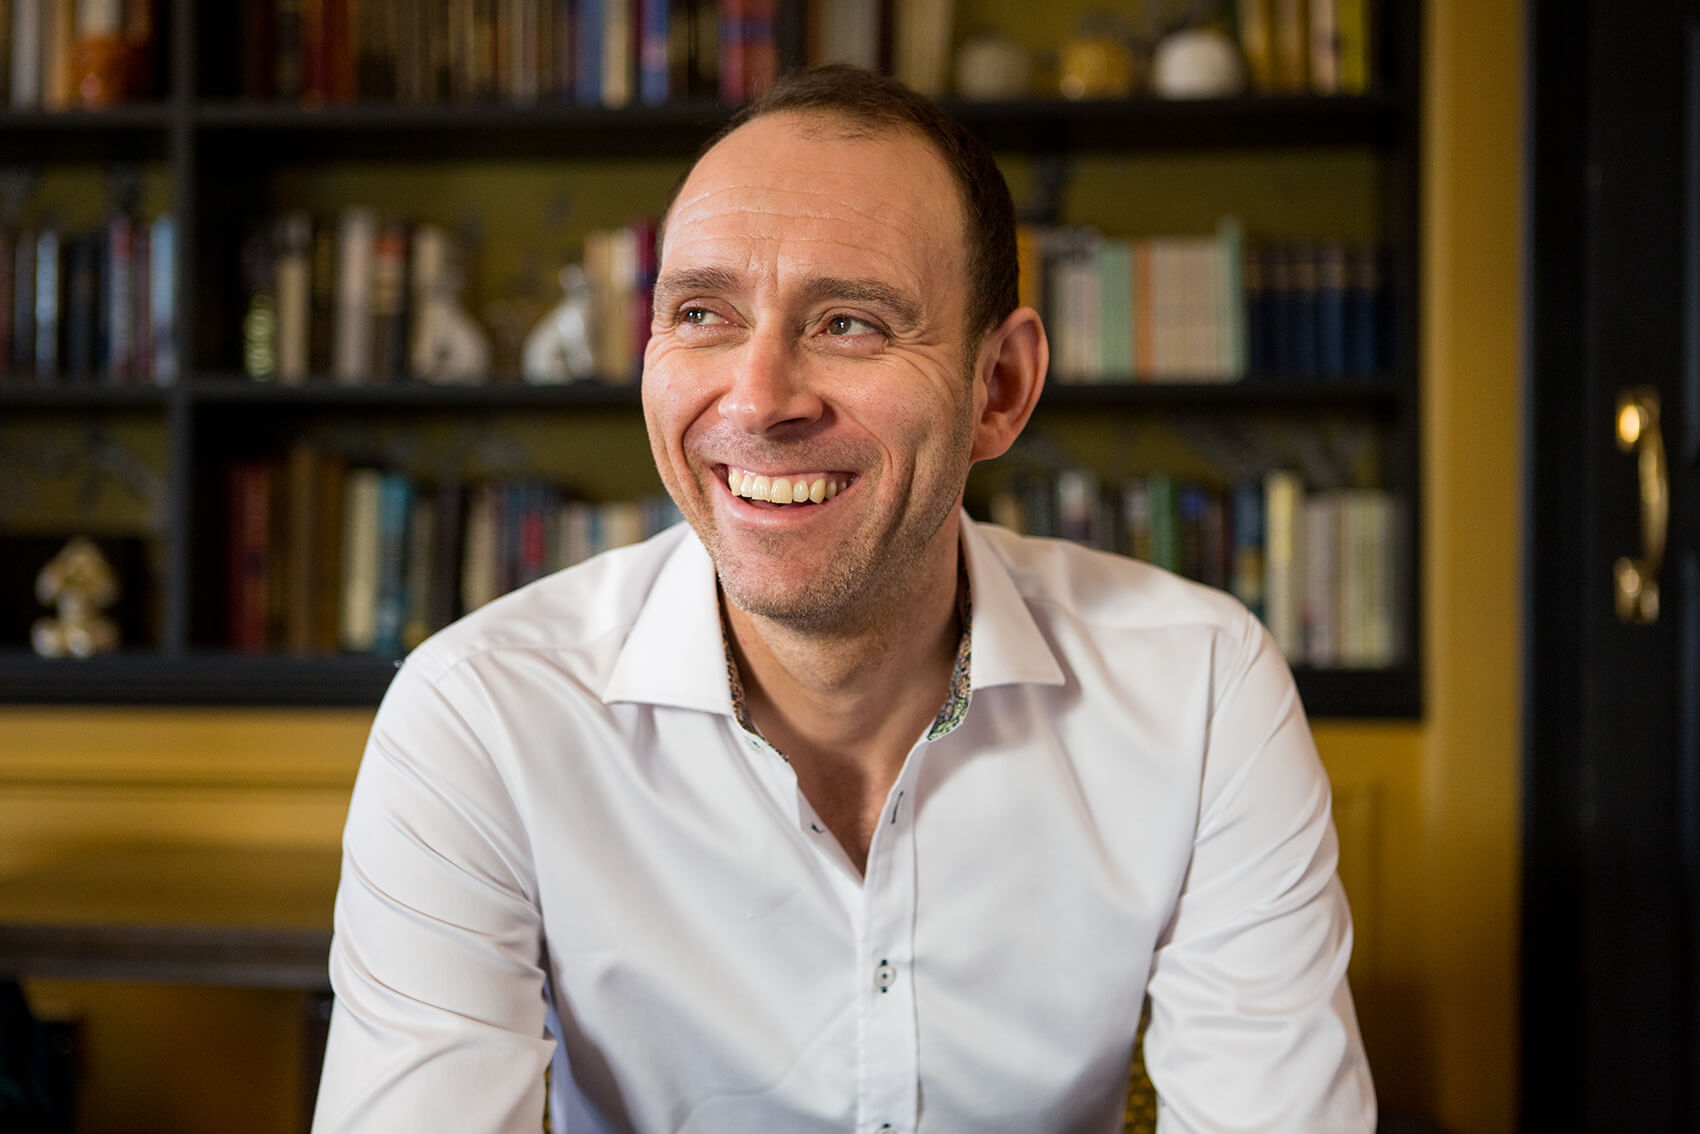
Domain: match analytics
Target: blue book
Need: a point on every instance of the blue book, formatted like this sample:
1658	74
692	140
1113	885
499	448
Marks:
1331	310
653	34
395	511
1246	520
587	54
1365	355
1304	327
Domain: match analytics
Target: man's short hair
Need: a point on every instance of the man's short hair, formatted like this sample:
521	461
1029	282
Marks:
867	105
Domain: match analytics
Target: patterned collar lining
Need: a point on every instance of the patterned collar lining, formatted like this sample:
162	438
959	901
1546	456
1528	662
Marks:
955	705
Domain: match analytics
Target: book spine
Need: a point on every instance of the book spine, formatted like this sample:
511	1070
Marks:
1324	47
389	303
1283	505
420	566
294	296
162	298
120	303
301	472
26	54
6	22
653	55
761	47
7	260
1331	289
1165	521
82	313
23	304
289	59
259	322
352	334
360	553
329	533
1257	43
1304	307
734	85
250	526
1353	27
1292	46
587	42
1245	519
48	298
141	310
395	508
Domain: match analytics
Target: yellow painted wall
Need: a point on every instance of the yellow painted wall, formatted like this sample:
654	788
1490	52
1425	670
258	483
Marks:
1427	811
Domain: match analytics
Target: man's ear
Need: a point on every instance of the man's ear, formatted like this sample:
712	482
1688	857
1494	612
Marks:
1009	374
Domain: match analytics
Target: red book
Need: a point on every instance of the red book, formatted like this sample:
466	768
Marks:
250	492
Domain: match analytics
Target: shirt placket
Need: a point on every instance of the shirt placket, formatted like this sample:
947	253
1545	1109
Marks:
888	1072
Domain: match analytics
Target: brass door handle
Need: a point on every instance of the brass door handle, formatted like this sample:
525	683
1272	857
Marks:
1638	579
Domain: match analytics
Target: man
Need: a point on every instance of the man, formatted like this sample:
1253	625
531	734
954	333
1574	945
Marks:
834	811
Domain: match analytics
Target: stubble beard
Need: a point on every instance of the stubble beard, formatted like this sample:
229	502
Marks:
865	582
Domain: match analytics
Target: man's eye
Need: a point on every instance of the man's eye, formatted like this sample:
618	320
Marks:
700	316
849	325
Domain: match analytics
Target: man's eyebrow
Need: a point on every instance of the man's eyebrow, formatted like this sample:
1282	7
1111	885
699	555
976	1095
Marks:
900	308
689	281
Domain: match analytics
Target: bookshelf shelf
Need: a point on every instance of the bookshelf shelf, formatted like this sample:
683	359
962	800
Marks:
135	132
1297	395
222	678
240	391
60	397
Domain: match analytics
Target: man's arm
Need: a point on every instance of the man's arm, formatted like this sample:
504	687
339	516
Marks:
439	1018
1252	1026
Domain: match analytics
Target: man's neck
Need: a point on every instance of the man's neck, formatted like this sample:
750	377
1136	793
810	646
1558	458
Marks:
846	705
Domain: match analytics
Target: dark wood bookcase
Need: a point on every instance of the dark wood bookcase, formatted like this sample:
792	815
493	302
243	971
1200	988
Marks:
222	153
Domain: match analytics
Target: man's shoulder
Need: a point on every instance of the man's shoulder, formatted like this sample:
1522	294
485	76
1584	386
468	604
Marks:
567	611
1106	590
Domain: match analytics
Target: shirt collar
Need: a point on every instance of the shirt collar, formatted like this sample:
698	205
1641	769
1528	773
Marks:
675	653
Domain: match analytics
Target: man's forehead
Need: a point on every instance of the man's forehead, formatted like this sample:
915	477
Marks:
828	153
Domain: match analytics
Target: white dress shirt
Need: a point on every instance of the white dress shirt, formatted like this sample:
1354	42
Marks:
560	829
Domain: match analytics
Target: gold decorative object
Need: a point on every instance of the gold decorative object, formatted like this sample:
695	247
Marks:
79	583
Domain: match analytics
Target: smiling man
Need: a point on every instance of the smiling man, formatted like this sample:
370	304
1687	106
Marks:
833	810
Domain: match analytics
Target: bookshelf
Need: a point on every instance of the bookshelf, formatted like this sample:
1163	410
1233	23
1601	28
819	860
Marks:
228	161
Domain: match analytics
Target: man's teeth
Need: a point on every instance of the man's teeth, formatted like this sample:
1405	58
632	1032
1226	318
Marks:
793	488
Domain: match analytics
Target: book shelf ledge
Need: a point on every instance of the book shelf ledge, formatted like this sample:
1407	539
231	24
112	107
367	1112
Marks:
235	390
359	680
15	395
1377	394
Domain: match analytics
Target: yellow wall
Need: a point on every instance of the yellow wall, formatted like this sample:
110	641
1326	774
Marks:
1427	811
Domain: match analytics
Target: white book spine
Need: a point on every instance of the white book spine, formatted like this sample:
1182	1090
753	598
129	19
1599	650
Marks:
351	341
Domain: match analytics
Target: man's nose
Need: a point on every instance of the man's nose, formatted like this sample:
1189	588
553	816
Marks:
769	391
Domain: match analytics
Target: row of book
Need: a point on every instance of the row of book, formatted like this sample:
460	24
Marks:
594	52
1215	308
60	54
360	298
96	306
1310	46
1323	569
327	557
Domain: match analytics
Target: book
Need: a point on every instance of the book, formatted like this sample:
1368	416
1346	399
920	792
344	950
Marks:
325	632
1257	43
922	44
395	509
1283	595
259	320
655	58
141	304
619	24
27	49
362	495
300	546
6	62
162	298
48	300
1245	517
248	576
420	582
759	45
1324	47
587	53
293	276
389	303
288	39
352	332
82	305
1321	608
1291	42
23	303
1352	26
1331	291
6	301
734	87
1364	316
59	45
1162	501
1233	353
118	278
1115	310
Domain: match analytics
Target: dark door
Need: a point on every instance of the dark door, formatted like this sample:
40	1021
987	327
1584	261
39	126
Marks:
1611	871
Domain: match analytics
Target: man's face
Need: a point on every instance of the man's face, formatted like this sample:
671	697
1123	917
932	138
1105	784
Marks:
810	329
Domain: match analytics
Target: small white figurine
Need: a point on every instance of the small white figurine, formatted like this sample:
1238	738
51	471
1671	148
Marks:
79	582
558	349
448	347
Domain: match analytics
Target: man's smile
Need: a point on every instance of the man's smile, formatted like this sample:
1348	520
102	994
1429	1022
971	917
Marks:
789	488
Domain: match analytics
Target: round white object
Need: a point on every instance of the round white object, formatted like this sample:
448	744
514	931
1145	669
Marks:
1197	63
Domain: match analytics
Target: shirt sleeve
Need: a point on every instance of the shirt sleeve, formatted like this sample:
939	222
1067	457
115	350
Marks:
1252	1026
437	956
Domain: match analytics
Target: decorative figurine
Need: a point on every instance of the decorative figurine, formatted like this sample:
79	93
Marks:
448	347
79	582
558	348
1197	63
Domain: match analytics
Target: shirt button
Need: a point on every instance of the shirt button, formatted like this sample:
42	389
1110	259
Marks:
885	976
